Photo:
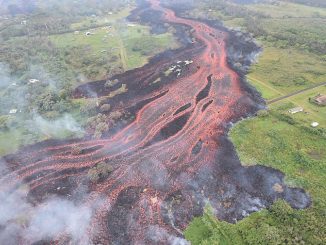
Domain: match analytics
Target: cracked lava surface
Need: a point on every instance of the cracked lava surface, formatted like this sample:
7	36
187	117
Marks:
168	163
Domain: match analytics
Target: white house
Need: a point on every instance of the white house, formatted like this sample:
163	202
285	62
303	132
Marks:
31	81
13	111
296	110
315	124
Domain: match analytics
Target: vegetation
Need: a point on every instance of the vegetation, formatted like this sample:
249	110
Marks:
278	225
100	170
101	123
293	39
63	44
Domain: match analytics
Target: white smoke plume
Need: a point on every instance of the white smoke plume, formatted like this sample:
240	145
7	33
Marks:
157	234
55	128
21	220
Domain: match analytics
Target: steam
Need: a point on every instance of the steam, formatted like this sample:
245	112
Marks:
19	219
57	216
55	128
157	234
4	76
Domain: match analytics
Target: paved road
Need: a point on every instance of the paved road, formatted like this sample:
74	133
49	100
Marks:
295	93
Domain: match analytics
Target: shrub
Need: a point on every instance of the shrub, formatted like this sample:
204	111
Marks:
111	83
101	170
105	108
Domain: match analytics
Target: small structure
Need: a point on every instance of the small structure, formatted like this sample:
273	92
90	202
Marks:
315	124
32	81
320	99
131	25
13	111
296	110
76	32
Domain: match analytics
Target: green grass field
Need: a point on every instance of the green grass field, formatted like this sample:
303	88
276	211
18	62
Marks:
288	10
133	45
282	71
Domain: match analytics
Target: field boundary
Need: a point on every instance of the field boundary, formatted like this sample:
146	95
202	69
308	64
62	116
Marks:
294	93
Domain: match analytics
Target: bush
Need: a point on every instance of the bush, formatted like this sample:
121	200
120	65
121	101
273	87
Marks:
89	108
5	122
105	108
101	170
111	83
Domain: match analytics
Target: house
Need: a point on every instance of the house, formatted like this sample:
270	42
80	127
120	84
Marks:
32	81
315	124
13	111
320	99
296	110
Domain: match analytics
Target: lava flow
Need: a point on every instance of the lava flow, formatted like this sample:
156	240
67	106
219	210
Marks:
170	162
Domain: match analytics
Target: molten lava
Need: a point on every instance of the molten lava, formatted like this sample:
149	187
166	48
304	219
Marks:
168	163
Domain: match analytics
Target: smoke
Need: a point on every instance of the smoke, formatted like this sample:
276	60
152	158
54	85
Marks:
157	234
56	128
4	76
21	220
48	220
58	216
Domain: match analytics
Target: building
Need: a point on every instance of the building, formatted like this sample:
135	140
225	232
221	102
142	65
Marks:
320	99
296	110
13	111
315	124
32	81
